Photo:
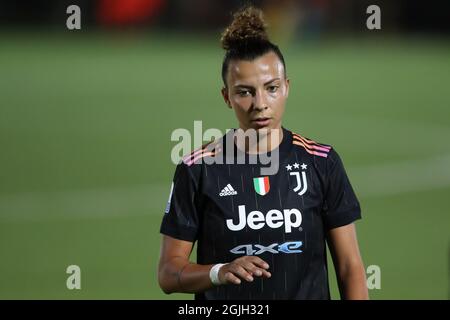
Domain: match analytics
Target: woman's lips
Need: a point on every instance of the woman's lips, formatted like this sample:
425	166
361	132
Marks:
262	122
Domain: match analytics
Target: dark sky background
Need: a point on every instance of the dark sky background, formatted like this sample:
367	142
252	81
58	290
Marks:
400	16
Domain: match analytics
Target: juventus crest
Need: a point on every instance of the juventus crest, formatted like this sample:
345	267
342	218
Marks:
300	177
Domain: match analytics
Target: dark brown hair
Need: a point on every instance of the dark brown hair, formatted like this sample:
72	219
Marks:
246	39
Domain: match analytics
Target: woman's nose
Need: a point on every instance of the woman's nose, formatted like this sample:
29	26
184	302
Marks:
259	101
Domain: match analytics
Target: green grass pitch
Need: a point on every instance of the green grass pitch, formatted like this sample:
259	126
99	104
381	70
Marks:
85	124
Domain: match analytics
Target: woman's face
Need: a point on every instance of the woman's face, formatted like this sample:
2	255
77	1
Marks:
257	91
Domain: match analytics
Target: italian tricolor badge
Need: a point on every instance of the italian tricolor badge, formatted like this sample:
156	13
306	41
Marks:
261	185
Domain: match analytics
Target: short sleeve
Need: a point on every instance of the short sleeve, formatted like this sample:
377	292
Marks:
181	220
341	206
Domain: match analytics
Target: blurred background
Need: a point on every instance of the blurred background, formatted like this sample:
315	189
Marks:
86	118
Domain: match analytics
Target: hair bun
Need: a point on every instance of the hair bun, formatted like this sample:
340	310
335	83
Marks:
248	25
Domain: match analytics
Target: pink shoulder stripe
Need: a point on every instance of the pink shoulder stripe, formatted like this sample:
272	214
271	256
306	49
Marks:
311	146
316	153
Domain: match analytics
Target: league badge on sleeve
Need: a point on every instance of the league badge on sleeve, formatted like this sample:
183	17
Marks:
262	185
170	199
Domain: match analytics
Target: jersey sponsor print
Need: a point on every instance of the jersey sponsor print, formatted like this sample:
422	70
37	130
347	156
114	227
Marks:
231	210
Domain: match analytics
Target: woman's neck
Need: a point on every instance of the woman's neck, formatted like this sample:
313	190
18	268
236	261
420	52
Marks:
258	141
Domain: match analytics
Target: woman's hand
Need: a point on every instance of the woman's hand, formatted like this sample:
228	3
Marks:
243	268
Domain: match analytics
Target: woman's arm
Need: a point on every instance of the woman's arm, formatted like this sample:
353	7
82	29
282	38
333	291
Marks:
177	274
348	264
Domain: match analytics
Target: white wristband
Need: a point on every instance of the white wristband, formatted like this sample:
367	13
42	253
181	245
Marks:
214	274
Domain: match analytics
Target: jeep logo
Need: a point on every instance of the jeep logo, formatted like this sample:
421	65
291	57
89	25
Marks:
290	218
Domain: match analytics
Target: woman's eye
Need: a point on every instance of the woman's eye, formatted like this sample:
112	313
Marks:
273	88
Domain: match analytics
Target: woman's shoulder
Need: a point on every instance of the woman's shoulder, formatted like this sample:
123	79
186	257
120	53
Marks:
324	156
203	153
311	146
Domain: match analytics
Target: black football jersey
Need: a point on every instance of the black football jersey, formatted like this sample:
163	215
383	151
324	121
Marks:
231	210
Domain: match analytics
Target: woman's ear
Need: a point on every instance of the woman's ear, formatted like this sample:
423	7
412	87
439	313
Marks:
225	96
287	87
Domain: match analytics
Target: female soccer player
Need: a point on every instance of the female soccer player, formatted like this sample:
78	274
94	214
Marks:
260	236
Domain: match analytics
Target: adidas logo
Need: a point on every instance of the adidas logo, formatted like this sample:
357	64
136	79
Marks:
228	191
